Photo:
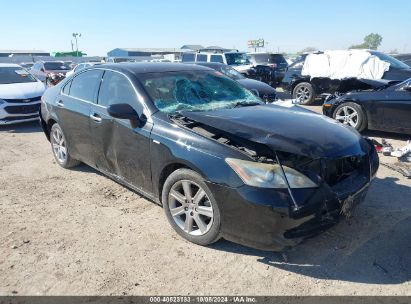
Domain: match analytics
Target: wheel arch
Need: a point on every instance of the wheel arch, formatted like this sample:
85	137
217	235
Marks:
169	169
49	124
298	81
355	101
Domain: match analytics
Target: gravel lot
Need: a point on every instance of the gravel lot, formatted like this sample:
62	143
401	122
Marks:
65	232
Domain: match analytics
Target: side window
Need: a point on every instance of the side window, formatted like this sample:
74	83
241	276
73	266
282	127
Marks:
116	88
216	58
85	84
201	58
189	57
66	89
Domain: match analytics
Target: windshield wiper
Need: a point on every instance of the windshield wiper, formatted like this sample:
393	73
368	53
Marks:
245	104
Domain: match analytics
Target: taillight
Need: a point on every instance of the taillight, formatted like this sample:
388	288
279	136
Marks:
273	65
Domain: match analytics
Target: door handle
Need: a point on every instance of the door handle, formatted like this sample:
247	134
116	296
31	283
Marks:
60	104
95	117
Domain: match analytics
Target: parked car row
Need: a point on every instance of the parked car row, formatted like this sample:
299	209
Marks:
266	67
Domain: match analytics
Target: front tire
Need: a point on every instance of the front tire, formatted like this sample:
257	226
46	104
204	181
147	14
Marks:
60	149
351	114
190	207
304	92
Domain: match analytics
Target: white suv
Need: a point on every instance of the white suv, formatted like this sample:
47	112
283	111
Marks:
237	60
20	94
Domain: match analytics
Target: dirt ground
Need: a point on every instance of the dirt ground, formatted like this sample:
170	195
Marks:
65	232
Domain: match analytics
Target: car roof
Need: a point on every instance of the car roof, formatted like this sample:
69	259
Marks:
9	65
150	67
207	64
48	61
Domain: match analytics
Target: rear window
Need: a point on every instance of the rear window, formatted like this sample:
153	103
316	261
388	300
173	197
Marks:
56	66
201	58
188	58
269	58
216	58
15	75
260	58
277	58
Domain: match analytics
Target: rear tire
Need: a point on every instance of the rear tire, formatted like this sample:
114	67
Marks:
304	92
60	148
351	114
190	207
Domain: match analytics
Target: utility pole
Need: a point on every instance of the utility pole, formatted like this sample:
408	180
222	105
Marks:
75	35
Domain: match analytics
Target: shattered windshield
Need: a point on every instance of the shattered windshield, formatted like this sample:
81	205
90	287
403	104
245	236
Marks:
195	91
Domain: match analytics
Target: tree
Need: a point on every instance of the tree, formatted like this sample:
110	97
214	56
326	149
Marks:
371	41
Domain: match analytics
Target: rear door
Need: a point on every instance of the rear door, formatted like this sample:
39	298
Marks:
119	148
73	110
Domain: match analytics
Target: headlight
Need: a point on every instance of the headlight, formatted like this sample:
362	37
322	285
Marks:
268	175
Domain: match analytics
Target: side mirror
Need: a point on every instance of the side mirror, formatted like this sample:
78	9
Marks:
42	69
125	111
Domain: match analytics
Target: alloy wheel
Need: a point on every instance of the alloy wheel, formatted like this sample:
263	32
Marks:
59	145
347	115
303	94
190	208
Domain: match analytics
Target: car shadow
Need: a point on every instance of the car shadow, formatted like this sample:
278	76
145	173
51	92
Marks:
27	127
373	247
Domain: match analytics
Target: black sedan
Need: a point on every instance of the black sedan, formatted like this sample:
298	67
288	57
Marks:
261	89
387	108
220	161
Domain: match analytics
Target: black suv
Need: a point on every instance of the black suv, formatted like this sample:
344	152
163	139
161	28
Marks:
267	67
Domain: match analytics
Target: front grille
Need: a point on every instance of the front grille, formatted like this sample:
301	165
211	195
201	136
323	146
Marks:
23	100
23	109
14	118
337	170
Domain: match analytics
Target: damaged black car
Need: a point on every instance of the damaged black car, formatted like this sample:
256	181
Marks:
221	162
384	108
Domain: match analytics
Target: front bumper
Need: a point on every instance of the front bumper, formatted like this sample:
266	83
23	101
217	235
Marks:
18	112
328	108
263	218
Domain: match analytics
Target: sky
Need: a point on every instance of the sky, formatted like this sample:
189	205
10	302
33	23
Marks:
287	26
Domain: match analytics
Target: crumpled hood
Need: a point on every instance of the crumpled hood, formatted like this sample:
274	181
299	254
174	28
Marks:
289	130
22	90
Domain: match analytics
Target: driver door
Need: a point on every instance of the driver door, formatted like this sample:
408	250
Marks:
119	148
